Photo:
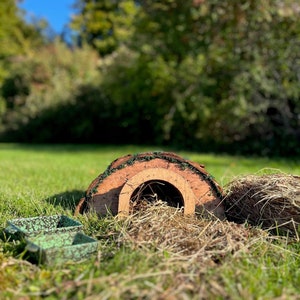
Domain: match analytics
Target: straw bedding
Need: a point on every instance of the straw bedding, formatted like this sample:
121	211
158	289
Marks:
271	201
162	227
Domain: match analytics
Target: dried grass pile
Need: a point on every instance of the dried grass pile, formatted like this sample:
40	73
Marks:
271	201
162	227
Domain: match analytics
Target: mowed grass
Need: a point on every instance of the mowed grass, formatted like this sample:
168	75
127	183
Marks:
40	180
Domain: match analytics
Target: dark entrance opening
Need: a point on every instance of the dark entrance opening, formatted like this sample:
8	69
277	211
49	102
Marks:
156	190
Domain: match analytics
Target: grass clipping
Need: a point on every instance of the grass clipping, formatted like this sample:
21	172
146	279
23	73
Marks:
271	201
161	227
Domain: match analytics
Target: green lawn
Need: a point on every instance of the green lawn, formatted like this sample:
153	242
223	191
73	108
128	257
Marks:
40	180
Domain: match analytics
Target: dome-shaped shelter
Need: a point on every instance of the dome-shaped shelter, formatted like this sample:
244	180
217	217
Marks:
153	176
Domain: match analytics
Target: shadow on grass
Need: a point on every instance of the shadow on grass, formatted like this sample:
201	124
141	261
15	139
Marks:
66	200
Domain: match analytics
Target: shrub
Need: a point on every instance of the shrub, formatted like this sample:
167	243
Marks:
43	81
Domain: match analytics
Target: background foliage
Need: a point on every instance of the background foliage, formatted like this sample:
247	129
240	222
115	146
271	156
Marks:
196	74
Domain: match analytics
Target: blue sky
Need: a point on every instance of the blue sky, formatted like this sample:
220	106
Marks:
56	12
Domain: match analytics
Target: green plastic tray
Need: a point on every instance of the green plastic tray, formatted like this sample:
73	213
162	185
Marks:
26	227
63	247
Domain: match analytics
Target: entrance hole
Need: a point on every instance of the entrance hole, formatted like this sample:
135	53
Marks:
156	190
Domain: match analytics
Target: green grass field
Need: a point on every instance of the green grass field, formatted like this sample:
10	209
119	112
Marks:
40	180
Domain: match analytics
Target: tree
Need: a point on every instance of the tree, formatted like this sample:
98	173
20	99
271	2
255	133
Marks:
248	80
17	38
104	24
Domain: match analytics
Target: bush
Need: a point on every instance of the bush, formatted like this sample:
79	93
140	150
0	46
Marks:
41	82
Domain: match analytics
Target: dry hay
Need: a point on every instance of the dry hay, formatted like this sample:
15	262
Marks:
271	201
166	228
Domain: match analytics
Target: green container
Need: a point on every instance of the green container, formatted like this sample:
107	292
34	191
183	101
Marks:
26	227
58	248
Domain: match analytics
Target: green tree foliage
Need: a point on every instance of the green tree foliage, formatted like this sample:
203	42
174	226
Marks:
204	74
16	36
104	24
233	67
